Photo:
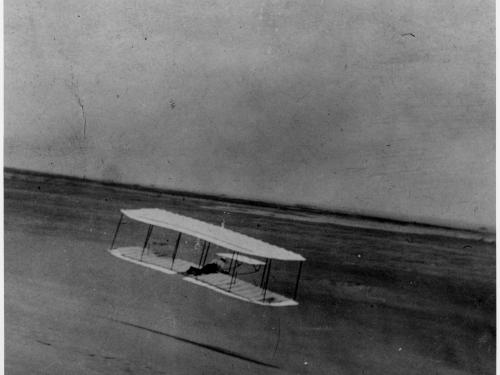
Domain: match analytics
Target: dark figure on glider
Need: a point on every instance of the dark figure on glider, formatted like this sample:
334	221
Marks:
216	265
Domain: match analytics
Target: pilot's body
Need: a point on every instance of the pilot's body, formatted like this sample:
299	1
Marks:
214	266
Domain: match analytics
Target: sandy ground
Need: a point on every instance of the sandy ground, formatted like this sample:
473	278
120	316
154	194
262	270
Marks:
371	302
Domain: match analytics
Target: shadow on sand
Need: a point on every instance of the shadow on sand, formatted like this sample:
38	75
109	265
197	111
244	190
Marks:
199	344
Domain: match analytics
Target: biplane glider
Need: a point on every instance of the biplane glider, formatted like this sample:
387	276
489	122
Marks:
241	251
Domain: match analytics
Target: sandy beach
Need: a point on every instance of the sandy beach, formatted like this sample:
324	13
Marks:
371	301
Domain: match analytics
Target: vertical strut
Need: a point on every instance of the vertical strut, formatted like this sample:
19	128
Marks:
231	263
230	266
176	248
233	274
202	253
297	282
150	230
206	254
267	279
116	232
263	274
233	277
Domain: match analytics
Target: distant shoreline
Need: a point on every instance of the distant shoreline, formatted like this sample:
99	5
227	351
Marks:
297	212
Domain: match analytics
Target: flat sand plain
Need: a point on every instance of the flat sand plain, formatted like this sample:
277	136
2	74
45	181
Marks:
371	302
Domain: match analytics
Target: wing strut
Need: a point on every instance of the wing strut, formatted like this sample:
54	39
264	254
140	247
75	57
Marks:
263	274
297	282
233	264
150	230
116	232
267	278
204	253
176	248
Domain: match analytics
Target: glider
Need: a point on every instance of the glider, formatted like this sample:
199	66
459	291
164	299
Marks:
241	251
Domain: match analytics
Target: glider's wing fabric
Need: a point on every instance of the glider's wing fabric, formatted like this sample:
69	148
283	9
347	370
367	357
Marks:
217	235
